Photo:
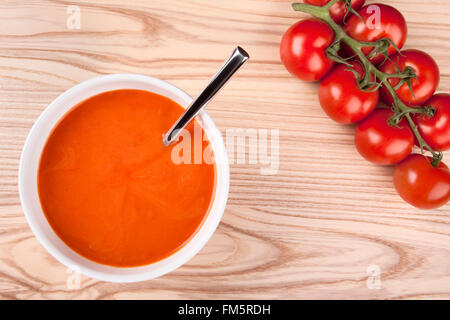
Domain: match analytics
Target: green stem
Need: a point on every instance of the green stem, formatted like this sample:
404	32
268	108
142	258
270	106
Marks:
399	107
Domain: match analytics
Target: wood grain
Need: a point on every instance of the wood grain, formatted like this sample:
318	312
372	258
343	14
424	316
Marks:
310	231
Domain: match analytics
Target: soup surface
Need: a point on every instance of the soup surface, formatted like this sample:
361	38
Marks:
110	188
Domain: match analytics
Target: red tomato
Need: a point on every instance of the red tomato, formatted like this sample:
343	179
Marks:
420	184
303	48
380	21
381	143
342	99
337	11
436	130
427	72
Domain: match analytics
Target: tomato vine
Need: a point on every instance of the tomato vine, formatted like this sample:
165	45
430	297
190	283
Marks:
374	78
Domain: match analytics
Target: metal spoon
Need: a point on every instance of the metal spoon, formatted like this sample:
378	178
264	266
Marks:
236	60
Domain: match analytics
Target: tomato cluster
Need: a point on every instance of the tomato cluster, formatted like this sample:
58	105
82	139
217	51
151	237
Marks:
347	99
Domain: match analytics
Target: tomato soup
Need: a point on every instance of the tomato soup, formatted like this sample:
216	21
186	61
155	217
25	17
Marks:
110	189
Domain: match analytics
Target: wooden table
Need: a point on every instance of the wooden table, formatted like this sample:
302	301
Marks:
310	231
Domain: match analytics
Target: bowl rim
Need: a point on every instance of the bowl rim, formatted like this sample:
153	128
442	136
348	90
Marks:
28	166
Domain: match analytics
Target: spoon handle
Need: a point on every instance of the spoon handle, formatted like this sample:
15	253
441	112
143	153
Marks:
234	62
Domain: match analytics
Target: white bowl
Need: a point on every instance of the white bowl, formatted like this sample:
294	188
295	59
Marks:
28	170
